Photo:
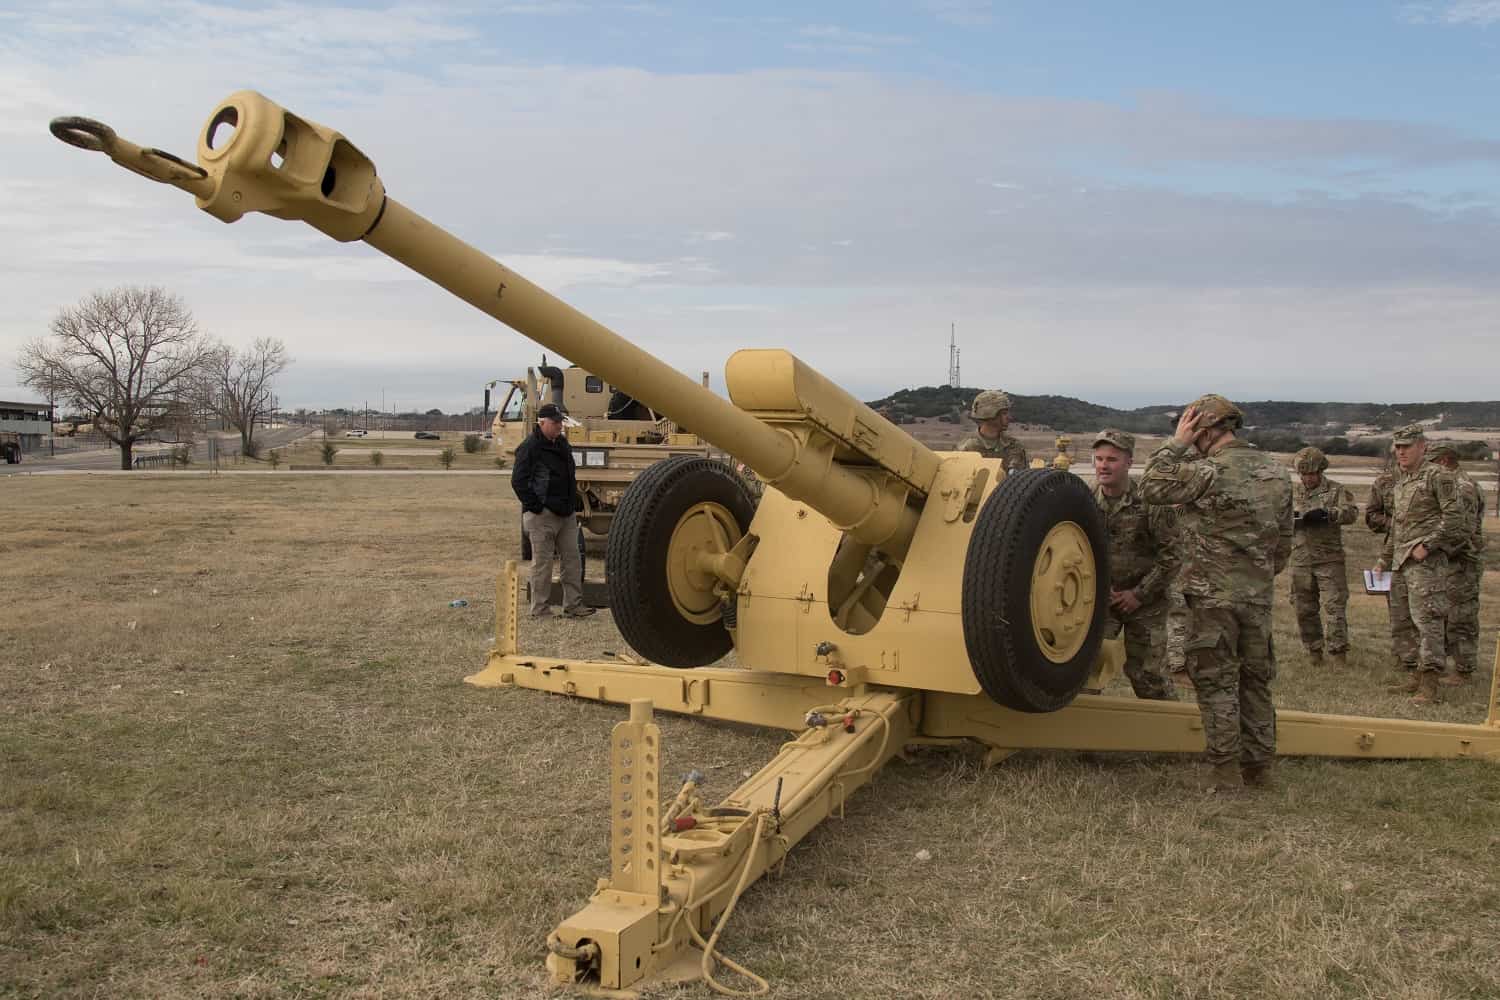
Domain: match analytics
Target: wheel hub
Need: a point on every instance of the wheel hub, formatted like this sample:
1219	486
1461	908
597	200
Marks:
1062	592
706	530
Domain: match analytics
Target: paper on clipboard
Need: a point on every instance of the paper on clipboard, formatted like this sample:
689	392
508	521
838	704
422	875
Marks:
1377	582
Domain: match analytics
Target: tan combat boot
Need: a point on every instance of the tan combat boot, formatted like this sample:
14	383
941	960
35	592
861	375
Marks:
1407	685
1427	688
1256	775
1225	779
1454	680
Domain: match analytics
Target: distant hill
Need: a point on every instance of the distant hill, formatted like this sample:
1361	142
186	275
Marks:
1066	413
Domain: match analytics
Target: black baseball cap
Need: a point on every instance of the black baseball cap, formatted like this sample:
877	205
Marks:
549	411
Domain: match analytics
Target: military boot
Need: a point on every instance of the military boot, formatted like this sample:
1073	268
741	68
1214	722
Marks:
1407	685
1256	775
1315	656
1427	688
1455	680
1225	779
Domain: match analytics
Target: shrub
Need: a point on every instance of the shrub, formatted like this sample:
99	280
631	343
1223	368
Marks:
446	457
499	461
377	458
182	455
274	458
329	450
473	443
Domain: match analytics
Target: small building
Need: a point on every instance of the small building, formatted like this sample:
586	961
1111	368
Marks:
31	422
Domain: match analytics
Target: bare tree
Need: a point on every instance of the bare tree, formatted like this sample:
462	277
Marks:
127	356
238	386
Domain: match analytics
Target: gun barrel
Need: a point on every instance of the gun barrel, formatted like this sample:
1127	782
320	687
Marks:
817	445
844	495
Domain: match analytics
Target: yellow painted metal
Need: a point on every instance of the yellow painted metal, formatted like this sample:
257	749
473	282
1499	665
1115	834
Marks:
619	941
1062	591
698	543
848	590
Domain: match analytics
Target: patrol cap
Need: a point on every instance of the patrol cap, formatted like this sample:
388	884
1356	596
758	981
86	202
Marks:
989	404
1216	410
1309	460
1120	439
1410	434
548	411
1438	449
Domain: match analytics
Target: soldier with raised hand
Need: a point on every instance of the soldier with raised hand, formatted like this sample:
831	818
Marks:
1320	509
991	415
1236	528
1141	564
1426	528
1465	571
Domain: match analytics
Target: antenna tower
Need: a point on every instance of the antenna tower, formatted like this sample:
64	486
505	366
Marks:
953	379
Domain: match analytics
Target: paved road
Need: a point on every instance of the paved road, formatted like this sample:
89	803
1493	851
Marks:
109	460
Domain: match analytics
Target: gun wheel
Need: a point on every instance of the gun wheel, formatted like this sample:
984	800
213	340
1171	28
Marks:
1035	590
660	591
706	529
1062	592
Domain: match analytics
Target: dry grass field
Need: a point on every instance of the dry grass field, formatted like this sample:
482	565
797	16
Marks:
237	760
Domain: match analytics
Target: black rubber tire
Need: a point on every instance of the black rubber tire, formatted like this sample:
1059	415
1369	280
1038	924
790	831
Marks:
998	632
635	560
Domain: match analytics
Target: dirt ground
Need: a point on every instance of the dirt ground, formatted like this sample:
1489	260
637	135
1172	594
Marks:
238	760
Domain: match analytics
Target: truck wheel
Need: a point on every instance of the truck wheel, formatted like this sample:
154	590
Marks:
663	602
1036	590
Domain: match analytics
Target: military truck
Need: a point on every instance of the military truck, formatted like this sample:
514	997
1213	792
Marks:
615	438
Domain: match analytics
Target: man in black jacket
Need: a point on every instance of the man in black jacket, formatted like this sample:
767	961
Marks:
545	479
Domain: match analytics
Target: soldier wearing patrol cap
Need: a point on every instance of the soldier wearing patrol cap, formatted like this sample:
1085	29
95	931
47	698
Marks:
1465	571
1427	529
1236	531
991	415
1320	509
1142	563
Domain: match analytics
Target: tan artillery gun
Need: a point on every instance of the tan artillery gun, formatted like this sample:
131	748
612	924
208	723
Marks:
880	595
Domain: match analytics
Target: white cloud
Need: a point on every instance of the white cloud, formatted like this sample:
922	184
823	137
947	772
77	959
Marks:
843	215
1478	12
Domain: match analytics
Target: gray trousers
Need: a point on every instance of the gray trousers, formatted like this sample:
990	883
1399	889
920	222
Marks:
553	536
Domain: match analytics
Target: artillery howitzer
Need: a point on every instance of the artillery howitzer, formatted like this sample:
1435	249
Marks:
881	594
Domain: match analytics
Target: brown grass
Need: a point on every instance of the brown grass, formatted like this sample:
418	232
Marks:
237	760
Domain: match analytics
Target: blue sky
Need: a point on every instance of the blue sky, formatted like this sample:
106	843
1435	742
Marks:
1128	202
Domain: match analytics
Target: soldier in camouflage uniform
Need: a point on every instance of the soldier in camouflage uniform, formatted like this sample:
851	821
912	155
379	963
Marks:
1426	529
1141	563
1465	571
991	415
1320	508
1236	526
1378	519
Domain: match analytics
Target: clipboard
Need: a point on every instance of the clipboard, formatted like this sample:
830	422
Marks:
1377	582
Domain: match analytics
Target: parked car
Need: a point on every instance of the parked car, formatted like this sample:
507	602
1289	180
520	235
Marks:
428	436
356	433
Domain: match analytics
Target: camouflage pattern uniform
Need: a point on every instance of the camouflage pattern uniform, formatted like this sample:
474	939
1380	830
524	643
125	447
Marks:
1236	526
1424	511
1317	563
1179	627
1141	558
1465	571
1377	517
987	406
